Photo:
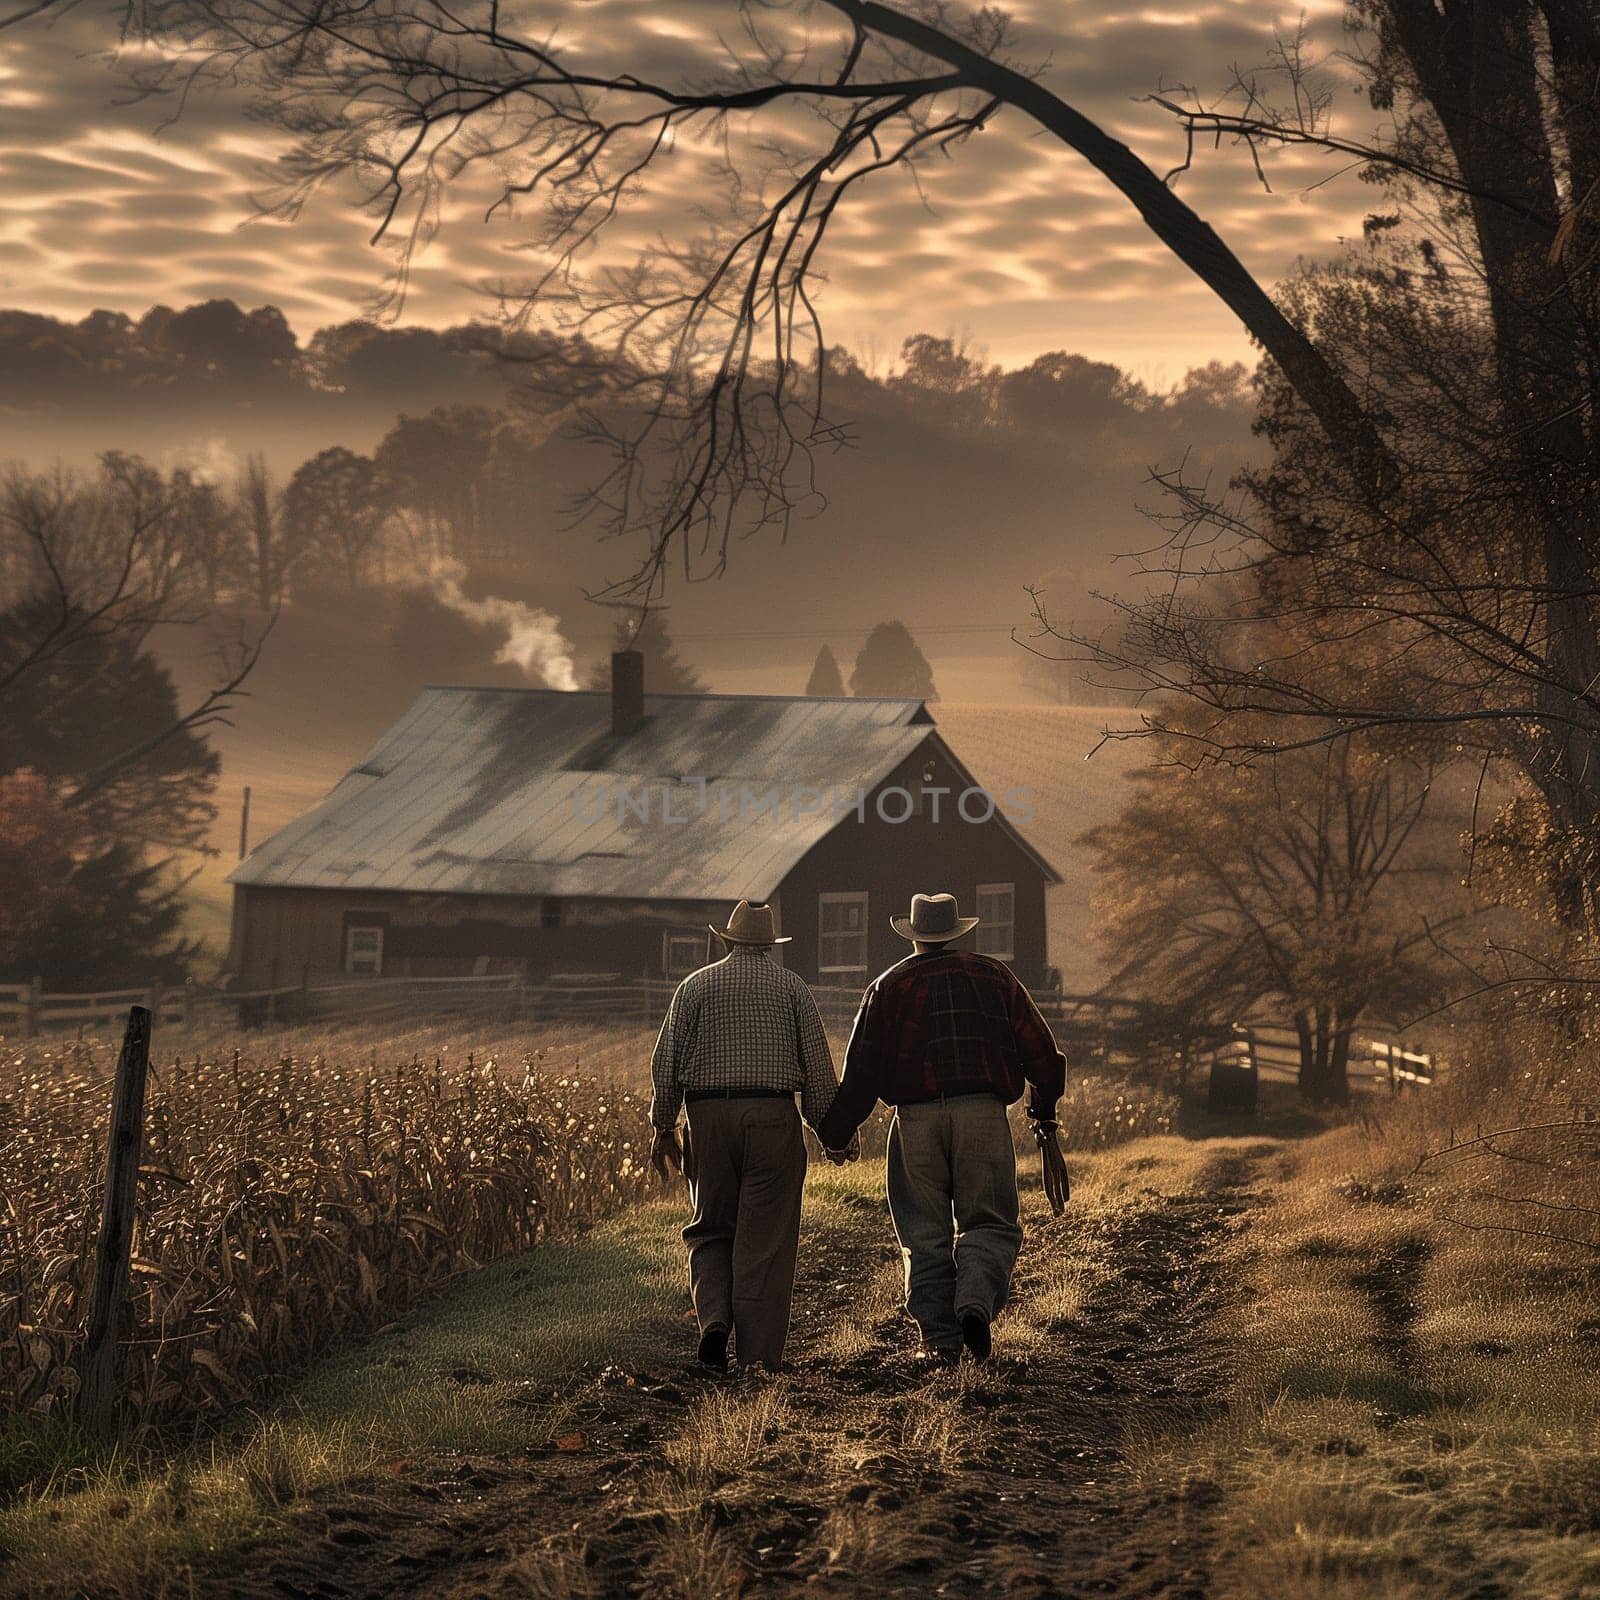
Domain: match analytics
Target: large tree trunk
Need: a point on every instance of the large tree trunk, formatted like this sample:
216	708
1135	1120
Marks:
1337	1080
1308	1051
1476	62
1324	1055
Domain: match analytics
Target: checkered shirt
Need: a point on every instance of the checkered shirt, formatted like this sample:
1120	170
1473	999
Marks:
744	1022
944	1022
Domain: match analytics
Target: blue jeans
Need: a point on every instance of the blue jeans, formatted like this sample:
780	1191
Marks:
953	1199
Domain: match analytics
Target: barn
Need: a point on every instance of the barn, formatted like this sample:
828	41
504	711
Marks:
555	834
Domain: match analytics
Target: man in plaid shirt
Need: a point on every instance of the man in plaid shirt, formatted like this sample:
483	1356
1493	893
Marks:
949	1039
742	1037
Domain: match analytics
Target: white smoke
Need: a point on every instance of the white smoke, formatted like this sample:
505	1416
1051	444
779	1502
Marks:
533	637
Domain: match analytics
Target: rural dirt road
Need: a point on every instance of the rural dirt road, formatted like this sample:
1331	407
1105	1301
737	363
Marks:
859	1473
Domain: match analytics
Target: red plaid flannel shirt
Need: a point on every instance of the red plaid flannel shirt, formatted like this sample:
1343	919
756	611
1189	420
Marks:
944	1022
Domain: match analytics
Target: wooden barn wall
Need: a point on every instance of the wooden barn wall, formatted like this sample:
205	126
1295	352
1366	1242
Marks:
282	936
893	861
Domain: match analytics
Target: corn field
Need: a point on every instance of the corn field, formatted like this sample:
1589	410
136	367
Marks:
294	1194
286	1202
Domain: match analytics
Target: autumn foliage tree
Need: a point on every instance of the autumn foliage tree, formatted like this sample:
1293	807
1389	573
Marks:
1293	885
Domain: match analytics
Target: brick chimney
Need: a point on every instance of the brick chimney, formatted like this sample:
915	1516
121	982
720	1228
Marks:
627	691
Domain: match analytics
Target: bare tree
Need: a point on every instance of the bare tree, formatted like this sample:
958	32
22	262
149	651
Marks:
332	512
1461	605
98	565
271	540
93	558
1295	882
208	531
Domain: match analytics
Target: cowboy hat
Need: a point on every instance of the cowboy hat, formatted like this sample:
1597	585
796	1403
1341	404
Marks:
751	923
934	919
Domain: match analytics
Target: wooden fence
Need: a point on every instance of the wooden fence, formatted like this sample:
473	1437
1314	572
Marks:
1107	1030
26	1009
1378	1059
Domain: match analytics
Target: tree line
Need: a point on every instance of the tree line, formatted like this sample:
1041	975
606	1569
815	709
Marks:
218	349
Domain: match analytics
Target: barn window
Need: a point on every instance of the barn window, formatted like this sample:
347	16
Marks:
363	951
683	950
997	920
842	924
550	913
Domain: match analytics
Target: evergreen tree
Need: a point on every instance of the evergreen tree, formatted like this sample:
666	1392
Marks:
665	672
826	679
91	845
891	667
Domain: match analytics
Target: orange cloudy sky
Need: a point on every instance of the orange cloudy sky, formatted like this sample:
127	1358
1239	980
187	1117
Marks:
1014	243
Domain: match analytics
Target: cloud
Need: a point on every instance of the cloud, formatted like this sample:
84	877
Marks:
1013	238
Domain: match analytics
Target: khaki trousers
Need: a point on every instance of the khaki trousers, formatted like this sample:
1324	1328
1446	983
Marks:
953	1201
749	1170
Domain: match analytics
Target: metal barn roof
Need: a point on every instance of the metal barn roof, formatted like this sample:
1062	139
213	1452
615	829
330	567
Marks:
519	792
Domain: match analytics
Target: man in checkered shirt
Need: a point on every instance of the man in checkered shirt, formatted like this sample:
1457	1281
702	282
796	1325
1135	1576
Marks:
742	1037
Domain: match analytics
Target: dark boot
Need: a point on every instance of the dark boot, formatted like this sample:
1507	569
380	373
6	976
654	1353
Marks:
713	1351
975	1334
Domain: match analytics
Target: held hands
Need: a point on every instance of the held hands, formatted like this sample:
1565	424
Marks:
851	1152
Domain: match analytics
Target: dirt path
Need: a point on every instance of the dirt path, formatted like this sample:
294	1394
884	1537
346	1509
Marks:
860	1473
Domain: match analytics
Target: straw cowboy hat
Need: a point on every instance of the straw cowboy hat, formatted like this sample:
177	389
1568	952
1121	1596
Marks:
934	919
751	923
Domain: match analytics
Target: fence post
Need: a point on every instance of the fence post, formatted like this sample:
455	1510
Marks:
97	1378
35	995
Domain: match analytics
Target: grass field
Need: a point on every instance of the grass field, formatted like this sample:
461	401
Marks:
1240	1366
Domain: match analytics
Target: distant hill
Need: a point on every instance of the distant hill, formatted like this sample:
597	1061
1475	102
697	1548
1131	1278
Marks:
961	485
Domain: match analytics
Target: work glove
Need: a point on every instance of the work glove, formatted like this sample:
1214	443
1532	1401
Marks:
1057	1185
